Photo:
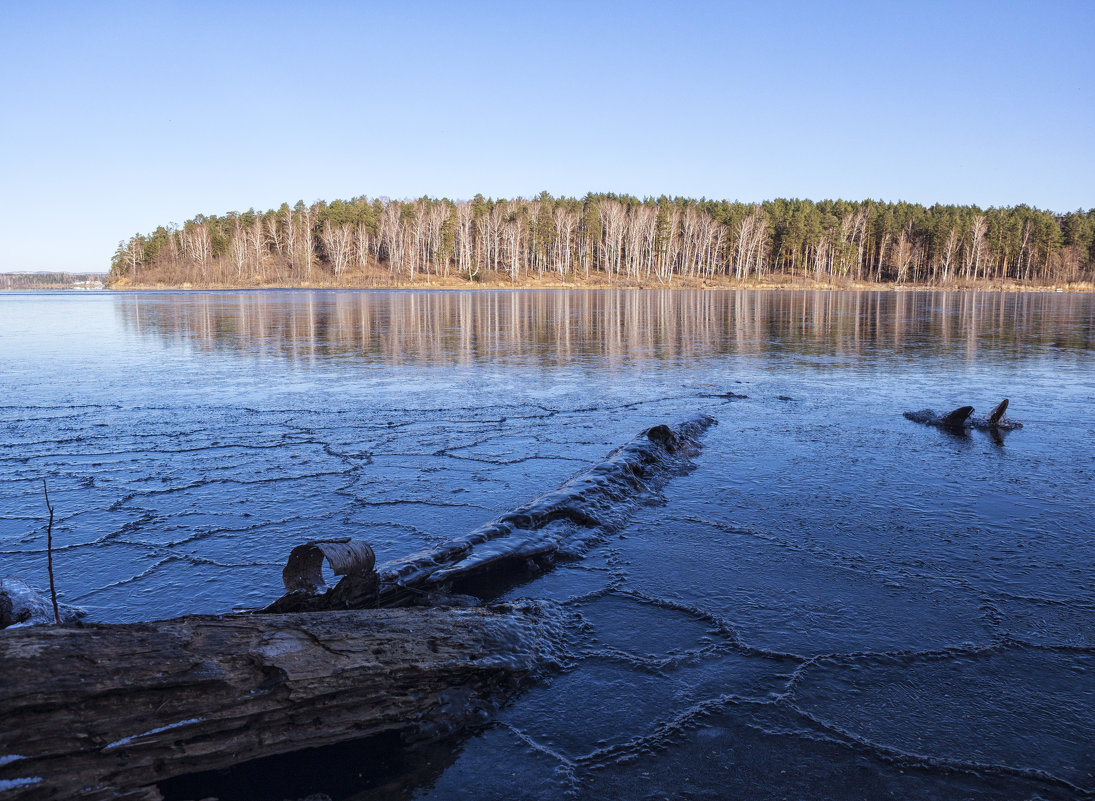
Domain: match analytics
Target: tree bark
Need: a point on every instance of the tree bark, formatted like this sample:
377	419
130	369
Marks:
106	711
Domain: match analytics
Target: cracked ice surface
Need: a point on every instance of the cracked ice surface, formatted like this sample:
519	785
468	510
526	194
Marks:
836	603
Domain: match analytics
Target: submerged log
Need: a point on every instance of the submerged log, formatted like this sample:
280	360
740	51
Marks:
996	420
562	522
106	711
962	418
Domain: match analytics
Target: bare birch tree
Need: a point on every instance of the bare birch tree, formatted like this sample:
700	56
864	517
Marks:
337	241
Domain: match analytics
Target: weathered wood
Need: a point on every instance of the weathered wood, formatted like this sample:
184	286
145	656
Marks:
304	570
593	503
303	577
106	711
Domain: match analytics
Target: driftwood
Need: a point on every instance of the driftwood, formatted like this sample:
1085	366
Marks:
962	419
107	711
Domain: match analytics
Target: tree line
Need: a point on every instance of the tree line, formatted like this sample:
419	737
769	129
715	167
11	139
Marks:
51	280
608	238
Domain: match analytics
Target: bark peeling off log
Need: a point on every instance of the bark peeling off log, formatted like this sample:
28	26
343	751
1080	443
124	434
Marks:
303	577
304	570
593	503
96	711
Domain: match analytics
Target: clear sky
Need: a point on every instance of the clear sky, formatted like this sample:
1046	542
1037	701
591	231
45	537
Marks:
118	117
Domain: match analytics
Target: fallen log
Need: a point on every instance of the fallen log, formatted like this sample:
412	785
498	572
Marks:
107	711
562	522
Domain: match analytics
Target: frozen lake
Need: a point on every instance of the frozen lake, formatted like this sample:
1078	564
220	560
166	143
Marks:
836	603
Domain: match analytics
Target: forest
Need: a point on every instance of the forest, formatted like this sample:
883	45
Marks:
613	239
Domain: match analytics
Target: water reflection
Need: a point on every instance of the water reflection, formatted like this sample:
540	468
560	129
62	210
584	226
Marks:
606	327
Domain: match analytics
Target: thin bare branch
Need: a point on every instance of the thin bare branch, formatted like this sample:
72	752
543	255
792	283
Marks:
49	557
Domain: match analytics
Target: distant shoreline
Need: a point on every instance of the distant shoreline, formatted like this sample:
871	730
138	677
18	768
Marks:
45	280
721	283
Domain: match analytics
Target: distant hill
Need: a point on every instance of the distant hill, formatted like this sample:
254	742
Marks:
52	280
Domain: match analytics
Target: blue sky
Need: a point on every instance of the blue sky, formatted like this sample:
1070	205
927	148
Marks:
118	117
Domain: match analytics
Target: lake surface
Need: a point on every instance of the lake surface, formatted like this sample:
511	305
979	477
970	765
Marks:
835	603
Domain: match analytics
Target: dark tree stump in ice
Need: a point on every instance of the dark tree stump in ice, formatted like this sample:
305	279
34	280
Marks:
962	418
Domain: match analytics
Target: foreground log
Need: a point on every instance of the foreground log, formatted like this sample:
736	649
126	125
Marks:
106	711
